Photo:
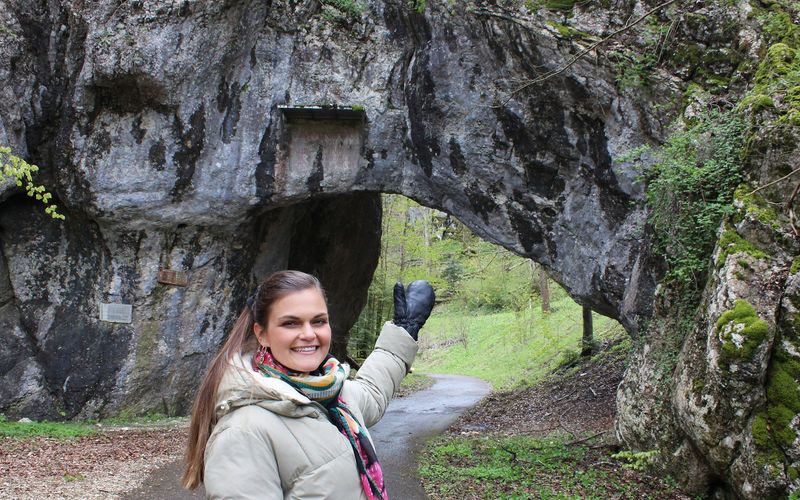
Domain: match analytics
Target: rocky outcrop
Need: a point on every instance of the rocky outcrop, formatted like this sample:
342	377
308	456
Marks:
722	404
161	128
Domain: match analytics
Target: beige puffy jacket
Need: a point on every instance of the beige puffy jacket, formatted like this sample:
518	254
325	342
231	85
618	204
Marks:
271	442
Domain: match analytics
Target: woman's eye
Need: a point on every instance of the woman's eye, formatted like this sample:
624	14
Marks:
321	322
289	323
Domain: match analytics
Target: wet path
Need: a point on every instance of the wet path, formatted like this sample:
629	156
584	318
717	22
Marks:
398	438
409	421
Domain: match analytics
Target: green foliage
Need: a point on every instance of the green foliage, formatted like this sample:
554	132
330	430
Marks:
422	243
4	31
342	10
58	430
559	5
21	171
634	67
456	467
637	460
508	349
690	188
732	243
633	70
419	5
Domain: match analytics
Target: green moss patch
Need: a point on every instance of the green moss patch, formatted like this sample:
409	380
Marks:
795	265
756	206
560	5
777	84
757	102
741	332
568	31
731	243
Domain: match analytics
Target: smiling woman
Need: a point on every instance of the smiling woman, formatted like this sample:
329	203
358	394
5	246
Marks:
276	415
297	334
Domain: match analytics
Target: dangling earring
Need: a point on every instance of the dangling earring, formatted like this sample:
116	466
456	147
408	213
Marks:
261	354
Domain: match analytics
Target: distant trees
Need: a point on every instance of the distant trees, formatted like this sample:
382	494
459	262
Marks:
466	271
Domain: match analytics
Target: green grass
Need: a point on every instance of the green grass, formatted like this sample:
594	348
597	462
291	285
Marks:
58	430
507	349
68	430
527	467
416	381
126	418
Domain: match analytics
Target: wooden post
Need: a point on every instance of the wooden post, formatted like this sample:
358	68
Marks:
588	334
544	290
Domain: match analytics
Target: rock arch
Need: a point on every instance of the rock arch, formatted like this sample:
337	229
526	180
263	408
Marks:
163	130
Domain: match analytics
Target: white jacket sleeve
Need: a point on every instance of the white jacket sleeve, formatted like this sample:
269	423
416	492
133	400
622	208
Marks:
381	374
240	464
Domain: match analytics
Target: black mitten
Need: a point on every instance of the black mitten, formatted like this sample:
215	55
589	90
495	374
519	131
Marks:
413	305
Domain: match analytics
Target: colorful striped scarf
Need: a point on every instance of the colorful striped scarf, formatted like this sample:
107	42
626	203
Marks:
324	386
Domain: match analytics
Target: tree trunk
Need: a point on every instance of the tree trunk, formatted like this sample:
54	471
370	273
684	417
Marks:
406	221
587	342
544	290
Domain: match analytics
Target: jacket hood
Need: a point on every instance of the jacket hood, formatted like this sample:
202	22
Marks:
242	385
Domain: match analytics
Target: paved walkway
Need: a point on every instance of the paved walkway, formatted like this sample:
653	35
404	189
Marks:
398	437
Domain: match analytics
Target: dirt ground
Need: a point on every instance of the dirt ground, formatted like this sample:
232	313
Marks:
98	466
576	399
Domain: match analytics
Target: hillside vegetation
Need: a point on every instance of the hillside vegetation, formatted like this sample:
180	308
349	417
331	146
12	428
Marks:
509	349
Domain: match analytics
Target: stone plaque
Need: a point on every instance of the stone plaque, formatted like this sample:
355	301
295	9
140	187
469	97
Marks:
170	277
116	313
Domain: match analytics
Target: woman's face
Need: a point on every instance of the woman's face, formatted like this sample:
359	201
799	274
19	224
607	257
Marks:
297	331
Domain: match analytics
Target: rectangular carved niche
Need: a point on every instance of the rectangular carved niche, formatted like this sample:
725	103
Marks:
320	148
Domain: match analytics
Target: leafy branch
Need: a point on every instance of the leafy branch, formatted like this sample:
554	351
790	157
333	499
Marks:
22	172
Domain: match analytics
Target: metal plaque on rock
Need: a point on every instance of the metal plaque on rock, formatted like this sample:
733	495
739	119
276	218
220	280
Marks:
116	313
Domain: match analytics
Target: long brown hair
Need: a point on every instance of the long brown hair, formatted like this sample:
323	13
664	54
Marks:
273	288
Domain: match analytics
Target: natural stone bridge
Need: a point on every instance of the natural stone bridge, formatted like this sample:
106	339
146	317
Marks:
162	125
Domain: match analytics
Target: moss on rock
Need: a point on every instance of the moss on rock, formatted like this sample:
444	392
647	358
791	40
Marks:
741	333
756	206
560	5
732	242
795	265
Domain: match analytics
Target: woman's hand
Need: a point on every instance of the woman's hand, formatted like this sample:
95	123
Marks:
413	305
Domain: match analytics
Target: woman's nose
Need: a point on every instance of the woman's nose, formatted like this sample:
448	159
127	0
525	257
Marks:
308	331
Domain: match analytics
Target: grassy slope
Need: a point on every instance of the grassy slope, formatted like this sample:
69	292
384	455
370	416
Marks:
506	349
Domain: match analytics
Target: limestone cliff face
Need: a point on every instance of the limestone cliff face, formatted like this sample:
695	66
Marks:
161	128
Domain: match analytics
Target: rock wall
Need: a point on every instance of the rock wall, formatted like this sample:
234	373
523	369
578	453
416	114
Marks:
159	128
722	404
